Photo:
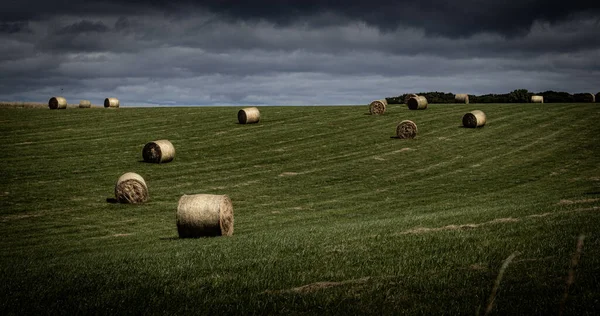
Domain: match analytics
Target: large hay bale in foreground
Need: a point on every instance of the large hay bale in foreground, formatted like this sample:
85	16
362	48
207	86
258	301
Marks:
406	129
474	119
85	104
57	103
131	188
111	103
204	215
249	115
378	107
408	96
417	103
158	151
461	98
537	99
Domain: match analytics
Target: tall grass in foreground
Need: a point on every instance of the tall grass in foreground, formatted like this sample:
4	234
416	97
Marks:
332	214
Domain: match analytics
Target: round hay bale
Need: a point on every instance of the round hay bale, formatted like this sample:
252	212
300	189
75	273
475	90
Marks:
417	103
461	98
57	103
85	104
158	151
406	129
249	115
204	215
111	103
377	107
474	119
537	99
408	96
131	188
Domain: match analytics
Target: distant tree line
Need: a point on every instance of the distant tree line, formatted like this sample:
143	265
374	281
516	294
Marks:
516	96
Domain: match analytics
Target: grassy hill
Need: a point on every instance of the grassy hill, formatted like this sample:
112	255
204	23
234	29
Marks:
332	214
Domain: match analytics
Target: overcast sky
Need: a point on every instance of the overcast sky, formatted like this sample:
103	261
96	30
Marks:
222	52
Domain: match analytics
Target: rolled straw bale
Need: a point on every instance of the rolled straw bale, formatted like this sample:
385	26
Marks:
537	99
462	98
417	103
377	107
131	188
249	115
408	96
57	103
111	103
158	151
84	104
406	129
474	118
201	215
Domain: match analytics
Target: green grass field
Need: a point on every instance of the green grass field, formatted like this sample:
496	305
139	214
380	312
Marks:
332	214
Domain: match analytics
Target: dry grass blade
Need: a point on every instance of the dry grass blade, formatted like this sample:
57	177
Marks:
406	129
571	275
57	103
159	151
131	188
204	215
248	115
474	119
492	298
377	107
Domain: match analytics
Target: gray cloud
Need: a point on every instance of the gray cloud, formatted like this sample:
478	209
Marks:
184	53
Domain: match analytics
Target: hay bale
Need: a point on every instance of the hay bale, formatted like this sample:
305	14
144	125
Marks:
474	119
203	215
377	107
57	103
111	103
249	115
131	188
406	129
158	151
85	104
408	96
537	99
461	98
417	103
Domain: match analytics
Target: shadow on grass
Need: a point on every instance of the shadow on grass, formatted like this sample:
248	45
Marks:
111	200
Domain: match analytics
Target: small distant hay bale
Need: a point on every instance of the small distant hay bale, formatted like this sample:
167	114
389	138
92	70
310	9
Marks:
377	107
158	151
111	103
406	129
537	99
408	96
131	188
417	103
57	103
462	98
474	119
85	104
248	115
204	215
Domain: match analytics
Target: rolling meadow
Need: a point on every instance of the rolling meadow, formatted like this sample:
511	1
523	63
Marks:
332	214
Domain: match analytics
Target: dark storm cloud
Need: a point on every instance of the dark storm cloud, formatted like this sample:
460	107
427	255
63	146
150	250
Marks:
11	27
83	26
437	17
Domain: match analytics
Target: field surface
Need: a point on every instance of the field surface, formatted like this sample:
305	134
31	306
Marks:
332	214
